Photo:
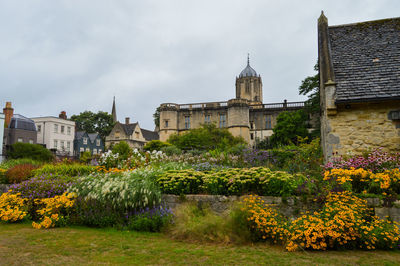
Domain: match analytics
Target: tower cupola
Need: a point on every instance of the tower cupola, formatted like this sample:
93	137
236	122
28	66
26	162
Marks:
249	85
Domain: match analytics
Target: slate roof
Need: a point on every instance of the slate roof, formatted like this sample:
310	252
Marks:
79	134
129	128
22	122
149	135
93	136
366	60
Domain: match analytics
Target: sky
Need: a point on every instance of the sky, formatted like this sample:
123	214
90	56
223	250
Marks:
75	56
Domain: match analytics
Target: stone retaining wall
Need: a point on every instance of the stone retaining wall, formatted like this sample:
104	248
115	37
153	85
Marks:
291	207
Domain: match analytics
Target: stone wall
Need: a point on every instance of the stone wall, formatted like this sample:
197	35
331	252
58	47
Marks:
291	207
359	127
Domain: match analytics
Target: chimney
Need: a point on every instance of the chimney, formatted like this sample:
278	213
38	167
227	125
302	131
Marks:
8	113
127	120
63	115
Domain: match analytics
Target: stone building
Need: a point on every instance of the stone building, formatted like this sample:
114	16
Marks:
56	133
360	86
131	133
244	116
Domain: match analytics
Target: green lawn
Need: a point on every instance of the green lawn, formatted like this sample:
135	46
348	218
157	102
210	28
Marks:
21	245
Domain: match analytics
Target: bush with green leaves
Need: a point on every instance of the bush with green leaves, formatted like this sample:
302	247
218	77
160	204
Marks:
32	151
206	138
155	145
289	126
61	169
123	150
13	162
130	190
233	181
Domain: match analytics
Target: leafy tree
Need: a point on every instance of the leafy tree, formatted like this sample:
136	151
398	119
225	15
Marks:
289	126
90	122
156	117
310	86
208	137
27	150
155	145
123	149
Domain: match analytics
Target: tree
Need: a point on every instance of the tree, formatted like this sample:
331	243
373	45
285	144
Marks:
310	86
90	122
123	150
156	117
208	137
289	126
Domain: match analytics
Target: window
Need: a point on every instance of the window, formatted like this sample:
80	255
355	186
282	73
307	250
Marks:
268	124
251	125
62	129
251	136
222	120
62	144
69	130
55	144
68	145
94	151
116	134
166	122
31	141
137	134
87	149
55	128
19	140
100	150
39	128
81	149
207	119
187	122
84	141
248	87
97	142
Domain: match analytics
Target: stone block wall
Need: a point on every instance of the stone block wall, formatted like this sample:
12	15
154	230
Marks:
359	127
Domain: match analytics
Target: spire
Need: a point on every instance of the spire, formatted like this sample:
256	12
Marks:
114	112
248	59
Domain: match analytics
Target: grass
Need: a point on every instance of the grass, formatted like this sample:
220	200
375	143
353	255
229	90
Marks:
20	244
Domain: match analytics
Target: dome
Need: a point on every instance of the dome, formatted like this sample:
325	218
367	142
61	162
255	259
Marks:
21	122
248	71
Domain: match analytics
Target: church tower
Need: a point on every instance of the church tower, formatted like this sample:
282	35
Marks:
249	85
114	112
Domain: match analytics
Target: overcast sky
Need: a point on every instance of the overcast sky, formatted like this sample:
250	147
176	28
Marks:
76	55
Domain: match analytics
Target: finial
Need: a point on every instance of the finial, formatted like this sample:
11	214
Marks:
322	18
248	59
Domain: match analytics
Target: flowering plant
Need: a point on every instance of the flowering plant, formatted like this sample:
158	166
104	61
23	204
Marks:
12	207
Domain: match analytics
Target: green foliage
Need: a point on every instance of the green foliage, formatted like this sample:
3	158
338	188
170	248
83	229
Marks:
156	117
32	151
149	220
100	122
208	137
123	150
155	145
10	163
171	150
124	191
85	157
289	126
197	222
19	173
74	169
310	86
234	181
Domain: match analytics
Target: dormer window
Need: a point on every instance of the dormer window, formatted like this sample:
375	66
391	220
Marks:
85	141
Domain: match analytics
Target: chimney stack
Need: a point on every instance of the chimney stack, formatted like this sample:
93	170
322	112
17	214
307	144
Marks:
8	113
127	120
63	115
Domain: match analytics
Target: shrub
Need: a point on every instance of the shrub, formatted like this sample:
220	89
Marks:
27	150
3	178
234	181
149	220
123	149
155	145
74	169
344	222
171	150
19	173
206	138
91	212
55	211
12	207
85	157
130	190
265	222
289	126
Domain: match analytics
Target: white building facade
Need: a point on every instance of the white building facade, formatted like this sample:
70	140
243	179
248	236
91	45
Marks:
56	133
